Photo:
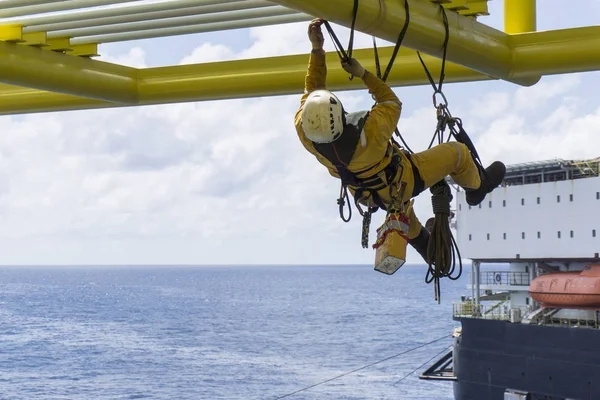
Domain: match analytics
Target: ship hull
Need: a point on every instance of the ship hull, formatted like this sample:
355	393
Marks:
493	356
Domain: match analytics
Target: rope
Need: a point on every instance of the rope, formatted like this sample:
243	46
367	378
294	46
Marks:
361	368
421	366
442	249
344	56
391	62
438	89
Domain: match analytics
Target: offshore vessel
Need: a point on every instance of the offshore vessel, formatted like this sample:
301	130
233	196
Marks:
530	330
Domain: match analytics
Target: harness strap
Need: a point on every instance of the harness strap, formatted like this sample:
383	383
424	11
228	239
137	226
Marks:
419	184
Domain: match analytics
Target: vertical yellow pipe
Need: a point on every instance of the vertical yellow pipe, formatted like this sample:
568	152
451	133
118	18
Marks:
519	16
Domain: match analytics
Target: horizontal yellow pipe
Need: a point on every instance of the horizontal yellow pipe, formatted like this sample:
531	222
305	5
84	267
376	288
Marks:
238	79
41	69
519	16
472	44
534	54
557	52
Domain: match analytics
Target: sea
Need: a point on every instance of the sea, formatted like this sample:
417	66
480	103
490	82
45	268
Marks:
223	332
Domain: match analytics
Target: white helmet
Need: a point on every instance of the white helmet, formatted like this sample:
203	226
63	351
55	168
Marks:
322	117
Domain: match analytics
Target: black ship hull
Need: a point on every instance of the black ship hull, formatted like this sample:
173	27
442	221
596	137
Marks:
546	362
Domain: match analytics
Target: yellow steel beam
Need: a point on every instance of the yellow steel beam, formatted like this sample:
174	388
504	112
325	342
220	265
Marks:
34	39
519	16
36	68
476	8
11	33
238	79
472	44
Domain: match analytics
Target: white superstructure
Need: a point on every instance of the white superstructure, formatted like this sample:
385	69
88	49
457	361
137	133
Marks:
550	218
545	217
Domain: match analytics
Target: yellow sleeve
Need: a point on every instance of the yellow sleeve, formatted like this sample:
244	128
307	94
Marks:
384	116
316	78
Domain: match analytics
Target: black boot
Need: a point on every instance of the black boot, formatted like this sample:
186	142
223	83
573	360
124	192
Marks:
420	243
490	179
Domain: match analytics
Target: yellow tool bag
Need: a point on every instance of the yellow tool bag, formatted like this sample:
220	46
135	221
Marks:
392	239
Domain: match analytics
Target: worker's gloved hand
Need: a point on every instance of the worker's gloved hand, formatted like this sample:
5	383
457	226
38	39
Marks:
353	67
315	34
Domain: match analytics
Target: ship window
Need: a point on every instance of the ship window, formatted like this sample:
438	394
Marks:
558	199
490	204
469	236
571	233
570	197
469	207
593	233
488	236
559	234
522	202
539	234
504	235
538	200
460	206
527	300
522	235
503	203
479	205
597	195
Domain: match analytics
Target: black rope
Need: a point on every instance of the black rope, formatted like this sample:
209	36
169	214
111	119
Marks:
421	366
344	55
399	41
342	201
361	368
438	88
442	250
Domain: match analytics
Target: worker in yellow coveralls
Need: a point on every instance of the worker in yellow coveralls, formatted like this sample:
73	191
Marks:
357	147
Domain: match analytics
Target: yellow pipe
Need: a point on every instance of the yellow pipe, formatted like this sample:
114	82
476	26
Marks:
557	52
519	16
238	79
36	68
472	44
535	54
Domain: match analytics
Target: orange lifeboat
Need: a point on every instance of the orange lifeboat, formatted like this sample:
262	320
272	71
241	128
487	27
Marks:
568	289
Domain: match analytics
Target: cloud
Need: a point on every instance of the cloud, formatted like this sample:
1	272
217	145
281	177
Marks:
228	181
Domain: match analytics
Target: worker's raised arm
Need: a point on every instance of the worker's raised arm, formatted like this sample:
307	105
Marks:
384	116
316	75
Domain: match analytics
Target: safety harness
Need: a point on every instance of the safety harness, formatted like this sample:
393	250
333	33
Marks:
340	153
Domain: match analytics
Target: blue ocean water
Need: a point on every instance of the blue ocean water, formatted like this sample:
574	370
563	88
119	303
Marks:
239	332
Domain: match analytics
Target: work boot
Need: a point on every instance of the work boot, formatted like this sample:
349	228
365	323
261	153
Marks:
490	179
420	243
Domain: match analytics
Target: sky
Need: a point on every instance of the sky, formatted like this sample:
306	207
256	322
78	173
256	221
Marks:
228	182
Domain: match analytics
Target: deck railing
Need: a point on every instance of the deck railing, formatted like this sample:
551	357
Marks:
500	311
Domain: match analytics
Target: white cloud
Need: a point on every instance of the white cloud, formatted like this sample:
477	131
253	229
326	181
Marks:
136	58
535	96
228	181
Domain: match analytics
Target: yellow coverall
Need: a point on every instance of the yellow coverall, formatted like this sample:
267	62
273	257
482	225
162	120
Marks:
434	164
